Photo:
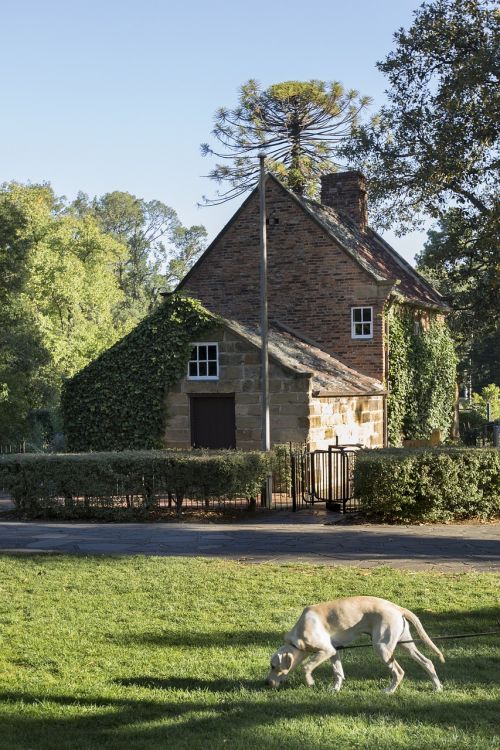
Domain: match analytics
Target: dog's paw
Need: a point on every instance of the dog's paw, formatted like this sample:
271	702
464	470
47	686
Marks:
336	687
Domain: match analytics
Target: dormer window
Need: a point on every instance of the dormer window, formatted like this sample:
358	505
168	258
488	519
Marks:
204	361
362	322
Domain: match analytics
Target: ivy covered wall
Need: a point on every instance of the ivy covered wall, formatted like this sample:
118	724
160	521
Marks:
422	376
118	400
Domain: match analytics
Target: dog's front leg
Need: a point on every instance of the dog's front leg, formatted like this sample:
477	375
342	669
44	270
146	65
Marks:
338	672
318	658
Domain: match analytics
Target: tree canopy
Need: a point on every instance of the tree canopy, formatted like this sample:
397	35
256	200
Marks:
436	141
297	125
160	250
433	151
59	296
75	278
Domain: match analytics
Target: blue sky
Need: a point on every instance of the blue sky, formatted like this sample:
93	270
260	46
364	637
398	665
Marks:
101	96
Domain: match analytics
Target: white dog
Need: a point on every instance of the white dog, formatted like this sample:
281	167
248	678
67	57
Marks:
323	628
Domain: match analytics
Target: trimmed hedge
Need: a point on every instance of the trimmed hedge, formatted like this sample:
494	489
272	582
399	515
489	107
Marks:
437	484
128	483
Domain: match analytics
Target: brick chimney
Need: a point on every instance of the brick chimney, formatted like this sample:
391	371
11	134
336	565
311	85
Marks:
346	193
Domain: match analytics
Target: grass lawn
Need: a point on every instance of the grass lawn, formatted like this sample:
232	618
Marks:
171	653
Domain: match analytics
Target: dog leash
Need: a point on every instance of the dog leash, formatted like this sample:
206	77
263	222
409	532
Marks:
421	640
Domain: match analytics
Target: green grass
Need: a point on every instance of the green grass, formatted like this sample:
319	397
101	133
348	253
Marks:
168	653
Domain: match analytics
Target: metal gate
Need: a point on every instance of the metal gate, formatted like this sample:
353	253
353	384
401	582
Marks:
324	476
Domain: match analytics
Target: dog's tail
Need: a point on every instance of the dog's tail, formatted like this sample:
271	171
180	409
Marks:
420	630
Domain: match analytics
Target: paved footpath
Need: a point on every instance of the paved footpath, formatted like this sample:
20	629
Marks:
280	537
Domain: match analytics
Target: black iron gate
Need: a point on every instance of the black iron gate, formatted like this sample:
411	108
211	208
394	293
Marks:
323	476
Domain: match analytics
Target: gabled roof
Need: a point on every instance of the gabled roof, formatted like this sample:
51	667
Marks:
368	249
330	377
374	254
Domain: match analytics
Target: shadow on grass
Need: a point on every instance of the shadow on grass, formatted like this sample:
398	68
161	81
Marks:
221	712
188	683
123	723
166	639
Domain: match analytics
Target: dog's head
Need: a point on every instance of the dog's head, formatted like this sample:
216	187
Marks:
281	663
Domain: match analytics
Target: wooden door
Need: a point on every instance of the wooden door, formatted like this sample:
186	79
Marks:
213	423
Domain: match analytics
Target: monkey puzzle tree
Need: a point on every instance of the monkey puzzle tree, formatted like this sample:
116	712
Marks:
297	125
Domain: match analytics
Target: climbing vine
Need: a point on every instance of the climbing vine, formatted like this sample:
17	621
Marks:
118	400
422	376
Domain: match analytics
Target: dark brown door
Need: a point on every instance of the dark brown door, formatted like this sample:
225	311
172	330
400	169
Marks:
213	422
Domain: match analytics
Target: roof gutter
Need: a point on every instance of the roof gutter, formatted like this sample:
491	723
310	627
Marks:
363	394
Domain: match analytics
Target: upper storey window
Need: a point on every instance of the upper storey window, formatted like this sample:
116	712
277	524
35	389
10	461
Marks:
362	322
204	362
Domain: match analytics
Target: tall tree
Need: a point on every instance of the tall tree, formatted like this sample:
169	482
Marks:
60	299
21	351
433	151
188	244
73	280
464	264
297	125
159	247
436	141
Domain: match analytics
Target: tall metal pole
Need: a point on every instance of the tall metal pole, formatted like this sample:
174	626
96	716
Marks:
265	420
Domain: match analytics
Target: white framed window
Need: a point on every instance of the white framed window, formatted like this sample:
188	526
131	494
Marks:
204	361
362	322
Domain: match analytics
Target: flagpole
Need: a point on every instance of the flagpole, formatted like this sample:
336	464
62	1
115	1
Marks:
265	419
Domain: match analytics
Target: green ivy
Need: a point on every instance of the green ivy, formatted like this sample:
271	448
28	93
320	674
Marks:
118	400
422	377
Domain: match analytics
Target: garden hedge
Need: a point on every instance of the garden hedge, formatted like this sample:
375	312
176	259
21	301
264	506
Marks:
437	484
129	483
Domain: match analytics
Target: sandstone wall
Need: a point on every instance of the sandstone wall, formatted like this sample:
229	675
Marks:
239	374
355	419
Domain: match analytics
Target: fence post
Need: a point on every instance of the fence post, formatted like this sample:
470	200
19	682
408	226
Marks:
263	495
294	480
330	473
312	458
345	478
496	436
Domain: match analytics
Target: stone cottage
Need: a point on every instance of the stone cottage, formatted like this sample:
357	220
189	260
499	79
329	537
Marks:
331	282
314	398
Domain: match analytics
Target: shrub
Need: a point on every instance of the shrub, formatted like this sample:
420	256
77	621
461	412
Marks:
490	394
126	484
429	484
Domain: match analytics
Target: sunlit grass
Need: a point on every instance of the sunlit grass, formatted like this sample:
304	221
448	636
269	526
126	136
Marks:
171	653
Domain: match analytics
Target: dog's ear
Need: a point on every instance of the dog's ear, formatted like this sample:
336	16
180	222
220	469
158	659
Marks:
287	660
